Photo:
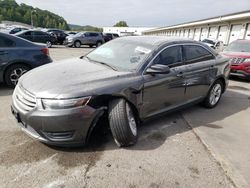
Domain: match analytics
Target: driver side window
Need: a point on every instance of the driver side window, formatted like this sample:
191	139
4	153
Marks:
170	57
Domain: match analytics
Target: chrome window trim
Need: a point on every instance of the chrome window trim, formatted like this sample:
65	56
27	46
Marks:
173	45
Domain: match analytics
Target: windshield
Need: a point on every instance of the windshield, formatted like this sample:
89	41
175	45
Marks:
79	34
209	41
123	54
238	47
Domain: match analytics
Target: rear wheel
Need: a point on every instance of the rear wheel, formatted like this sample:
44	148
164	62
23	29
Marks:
77	44
214	95
13	73
49	44
122	122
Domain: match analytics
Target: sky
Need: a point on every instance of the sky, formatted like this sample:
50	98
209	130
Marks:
143	13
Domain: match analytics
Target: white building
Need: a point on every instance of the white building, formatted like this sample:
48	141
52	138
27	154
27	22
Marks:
226	28
125	31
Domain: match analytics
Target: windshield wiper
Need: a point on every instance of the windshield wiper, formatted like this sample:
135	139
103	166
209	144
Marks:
107	65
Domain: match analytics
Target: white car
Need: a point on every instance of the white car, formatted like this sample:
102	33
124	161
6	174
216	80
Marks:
214	43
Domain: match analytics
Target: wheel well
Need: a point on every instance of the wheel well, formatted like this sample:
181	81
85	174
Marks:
17	63
77	41
103	101
223	82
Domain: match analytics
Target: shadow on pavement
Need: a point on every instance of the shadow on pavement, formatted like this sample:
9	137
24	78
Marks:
5	90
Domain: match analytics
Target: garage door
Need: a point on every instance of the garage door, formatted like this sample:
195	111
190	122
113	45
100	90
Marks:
186	33
235	33
197	34
223	34
191	34
204	33
247	36
213	32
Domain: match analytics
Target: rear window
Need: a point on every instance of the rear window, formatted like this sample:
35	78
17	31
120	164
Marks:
194	54
5	42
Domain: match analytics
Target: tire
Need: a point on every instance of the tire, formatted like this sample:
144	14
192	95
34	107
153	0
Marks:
214	95
49	44
91	46
124	130
98	43
77	44
13	73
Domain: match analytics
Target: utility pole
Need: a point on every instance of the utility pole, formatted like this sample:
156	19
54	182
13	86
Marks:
31	18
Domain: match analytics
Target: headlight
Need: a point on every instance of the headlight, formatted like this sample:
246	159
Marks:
57	104
246	60
70	39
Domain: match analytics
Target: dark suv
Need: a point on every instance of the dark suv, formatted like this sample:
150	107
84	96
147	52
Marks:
59	34
128	79
38	36
85	38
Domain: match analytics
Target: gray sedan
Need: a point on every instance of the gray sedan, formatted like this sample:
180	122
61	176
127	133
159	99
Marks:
127	80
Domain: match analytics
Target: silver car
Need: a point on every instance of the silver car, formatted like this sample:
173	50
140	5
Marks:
85	38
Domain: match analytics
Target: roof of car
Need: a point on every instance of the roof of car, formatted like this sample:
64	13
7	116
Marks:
156	40
242	41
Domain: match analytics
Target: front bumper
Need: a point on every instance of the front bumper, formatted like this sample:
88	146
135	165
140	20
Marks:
242	70
57	127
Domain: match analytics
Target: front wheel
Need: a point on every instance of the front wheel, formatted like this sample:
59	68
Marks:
13	73
77	44
122	123
99	43
214	95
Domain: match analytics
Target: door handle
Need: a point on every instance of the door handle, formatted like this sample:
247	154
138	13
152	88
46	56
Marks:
180	74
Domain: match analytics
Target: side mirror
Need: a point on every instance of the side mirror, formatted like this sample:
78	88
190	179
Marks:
158	69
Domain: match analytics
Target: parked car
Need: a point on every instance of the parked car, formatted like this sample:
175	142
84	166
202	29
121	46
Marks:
37	36
85	38
17	56
71	33
59	34
130	79
239	52
110	36
215	44
17	29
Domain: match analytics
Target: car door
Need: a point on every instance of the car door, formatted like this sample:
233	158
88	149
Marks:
199	63
27	35
164	91
39	36
6	46
86	38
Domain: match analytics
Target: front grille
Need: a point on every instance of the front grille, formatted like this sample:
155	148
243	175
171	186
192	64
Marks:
236	60
24	100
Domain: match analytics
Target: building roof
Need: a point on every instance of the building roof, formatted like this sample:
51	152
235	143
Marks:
155	40
222	18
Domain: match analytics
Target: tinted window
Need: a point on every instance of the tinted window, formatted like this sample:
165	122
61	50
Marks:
5	42
27	33
194	54
93	34
39	33
87	34
170	56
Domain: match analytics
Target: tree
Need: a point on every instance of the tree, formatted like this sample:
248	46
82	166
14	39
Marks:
121	24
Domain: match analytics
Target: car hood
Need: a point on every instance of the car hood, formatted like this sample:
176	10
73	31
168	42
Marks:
236	54
72	78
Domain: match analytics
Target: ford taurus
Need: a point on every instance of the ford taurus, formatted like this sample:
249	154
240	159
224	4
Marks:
130	79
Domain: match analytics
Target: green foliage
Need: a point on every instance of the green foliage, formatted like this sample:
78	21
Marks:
11	11
84	28
121	24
